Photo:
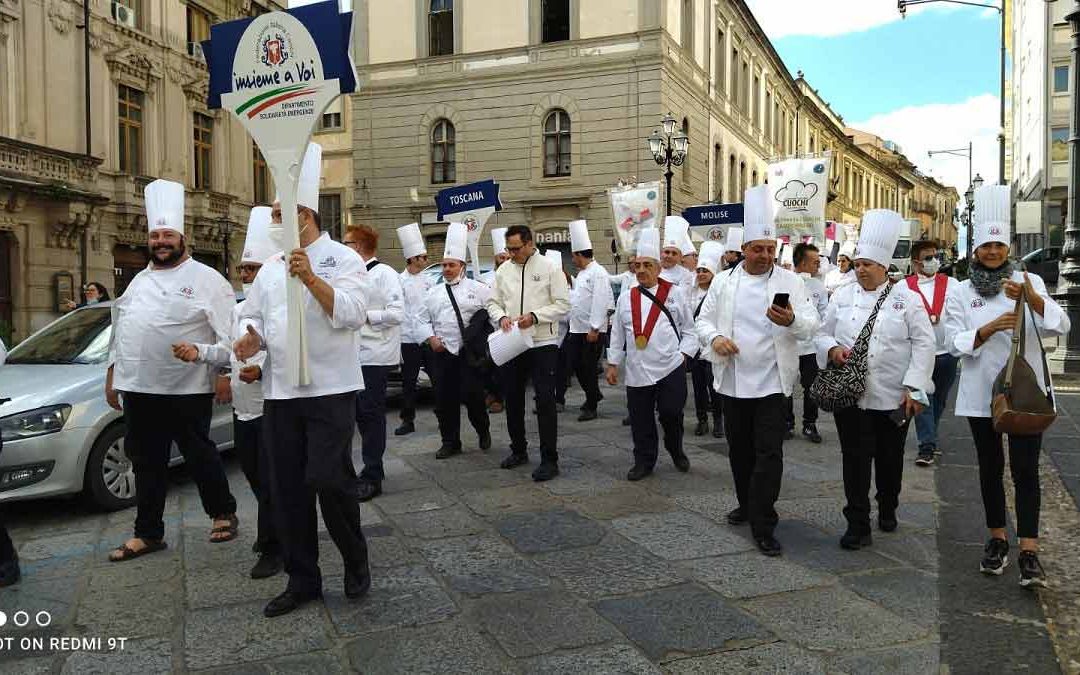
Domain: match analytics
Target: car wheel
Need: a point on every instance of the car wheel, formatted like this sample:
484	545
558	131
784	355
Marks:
110	478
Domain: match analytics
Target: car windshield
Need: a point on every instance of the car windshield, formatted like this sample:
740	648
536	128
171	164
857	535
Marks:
903	249
1035	255
80	337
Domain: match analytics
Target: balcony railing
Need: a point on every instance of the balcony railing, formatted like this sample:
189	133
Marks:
47	165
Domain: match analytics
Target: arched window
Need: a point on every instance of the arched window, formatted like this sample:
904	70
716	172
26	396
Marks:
733	184
557	144
753	180
718	177
443	155
742	177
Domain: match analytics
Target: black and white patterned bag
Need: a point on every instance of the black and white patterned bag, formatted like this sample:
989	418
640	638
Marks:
839	387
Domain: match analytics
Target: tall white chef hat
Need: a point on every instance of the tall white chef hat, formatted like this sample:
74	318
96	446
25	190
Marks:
648	243
688	247
554	256
734	239
457	240
165	206
992	215
257	245
709	256
412	242
498	240
787	256
878	235
847	249
758	206
579	236
675	230
307	193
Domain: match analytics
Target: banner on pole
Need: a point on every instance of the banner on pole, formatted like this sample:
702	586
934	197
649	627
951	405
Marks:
711	221
800	187
277	79
634	208
473	205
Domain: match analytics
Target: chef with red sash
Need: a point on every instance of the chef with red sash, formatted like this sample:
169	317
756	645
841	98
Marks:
933	286
653	332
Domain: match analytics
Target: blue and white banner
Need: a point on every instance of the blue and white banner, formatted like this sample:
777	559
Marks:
473	205
711	221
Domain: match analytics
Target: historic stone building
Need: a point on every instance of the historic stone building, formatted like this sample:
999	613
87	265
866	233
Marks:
556	98
73	167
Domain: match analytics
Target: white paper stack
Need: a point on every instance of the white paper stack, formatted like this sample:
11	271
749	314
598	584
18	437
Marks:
505	346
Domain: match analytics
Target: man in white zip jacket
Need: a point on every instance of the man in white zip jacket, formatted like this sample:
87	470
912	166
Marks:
753	343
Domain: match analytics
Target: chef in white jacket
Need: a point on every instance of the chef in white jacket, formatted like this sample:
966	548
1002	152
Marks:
498	249
176	299
733	242
655	345
455	381
980	318
591	300
843	274
676	232
414	285
807	262
308	428
380	352
900	363
247	396
753	345
689	254
706	397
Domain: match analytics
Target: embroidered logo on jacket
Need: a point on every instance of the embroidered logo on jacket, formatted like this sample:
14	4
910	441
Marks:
977	303
899	305
536	277
328	261
188	292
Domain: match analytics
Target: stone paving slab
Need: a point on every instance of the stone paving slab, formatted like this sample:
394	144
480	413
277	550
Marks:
438	524
916	659
775	657
146	656
249	636
681	620
481	564
414	501
549	531
681	535
908	593
399	596
499	501
612	567
617	658
447	647
537	622
132	611
323	663
746	575
622	500
814	548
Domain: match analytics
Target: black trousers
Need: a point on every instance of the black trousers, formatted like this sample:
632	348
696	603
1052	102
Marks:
808	371
668	396
413	357
1024	465
371	421
562	373
456	383
309	445
870	442
248	443
7	549
582	356
706	398
755	432
537	364
154	422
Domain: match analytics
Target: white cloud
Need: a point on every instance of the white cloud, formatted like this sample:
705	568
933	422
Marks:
944	126
827	18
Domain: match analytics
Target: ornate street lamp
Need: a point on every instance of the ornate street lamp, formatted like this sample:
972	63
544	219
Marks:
668	149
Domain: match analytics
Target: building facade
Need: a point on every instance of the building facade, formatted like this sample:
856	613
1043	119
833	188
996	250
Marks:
1039	114
76	154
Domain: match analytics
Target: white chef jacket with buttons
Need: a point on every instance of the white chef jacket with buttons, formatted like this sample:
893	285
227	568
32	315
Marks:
437	315
835	279
247	397
664	351
926	288
679	275
819	297
333	341
901	350
161	307
591	299
697	301
965	312
415	288
626	281
380	337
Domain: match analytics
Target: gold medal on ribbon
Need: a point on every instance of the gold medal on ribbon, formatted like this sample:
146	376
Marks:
934	319
641	341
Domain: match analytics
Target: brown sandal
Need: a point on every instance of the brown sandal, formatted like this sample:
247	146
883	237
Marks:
231	529
124	552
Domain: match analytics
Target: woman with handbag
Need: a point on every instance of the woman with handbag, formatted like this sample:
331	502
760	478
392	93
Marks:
994	322
878	344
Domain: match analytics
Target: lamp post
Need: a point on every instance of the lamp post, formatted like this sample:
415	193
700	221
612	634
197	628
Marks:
902	5
668	149
226	237
961	152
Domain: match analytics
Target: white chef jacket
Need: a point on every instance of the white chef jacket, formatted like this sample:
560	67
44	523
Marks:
679	275
664	352
333	342
437	312
591	299
380	337
697	301
488	278
926	288
247	398
836	279
819	297
901	350
415	288
755	370
966	312
161	307
626	281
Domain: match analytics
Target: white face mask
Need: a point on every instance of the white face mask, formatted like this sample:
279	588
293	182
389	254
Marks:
931	268
247	289
276	234
92	301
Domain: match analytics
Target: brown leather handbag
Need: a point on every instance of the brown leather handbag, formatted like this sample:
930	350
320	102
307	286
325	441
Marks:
1020	406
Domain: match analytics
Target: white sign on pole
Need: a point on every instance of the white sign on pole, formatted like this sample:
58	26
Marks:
1029	217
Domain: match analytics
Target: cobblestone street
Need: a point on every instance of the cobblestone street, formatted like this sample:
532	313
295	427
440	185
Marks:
480	570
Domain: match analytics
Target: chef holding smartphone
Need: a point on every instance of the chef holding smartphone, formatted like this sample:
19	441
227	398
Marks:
899	366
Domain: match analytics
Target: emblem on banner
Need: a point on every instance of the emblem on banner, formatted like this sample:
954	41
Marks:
275	46
796	195
715	234
470	222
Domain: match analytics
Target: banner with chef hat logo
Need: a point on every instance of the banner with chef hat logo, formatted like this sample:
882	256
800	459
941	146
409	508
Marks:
634	208
472	205
800	187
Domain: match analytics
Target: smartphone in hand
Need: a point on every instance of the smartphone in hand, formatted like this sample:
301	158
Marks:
780	300
899	416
